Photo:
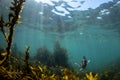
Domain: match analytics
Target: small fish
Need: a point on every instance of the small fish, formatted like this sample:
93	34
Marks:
83	64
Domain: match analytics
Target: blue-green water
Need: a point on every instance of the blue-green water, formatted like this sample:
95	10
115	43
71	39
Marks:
100	48
97	39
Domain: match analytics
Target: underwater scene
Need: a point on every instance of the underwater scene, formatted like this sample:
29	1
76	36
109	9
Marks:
59	39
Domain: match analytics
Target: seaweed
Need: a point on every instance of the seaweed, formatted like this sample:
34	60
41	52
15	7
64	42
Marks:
43	55
111	71
60	55
52	66
30	71
13	18
91	77
1	51
26	69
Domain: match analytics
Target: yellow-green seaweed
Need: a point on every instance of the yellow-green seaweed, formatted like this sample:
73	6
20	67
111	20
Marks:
14	18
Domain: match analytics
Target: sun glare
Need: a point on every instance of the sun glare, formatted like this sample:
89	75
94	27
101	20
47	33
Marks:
40	1
43	1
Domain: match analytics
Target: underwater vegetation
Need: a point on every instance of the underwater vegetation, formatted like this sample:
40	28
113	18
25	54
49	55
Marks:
23	69
91	77
45	65
13	18
59	56
111	71
43	55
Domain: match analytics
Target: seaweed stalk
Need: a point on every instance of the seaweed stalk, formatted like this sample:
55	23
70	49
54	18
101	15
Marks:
27	69
14	16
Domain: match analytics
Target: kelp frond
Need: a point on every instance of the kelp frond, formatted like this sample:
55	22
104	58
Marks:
91	77
14	18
